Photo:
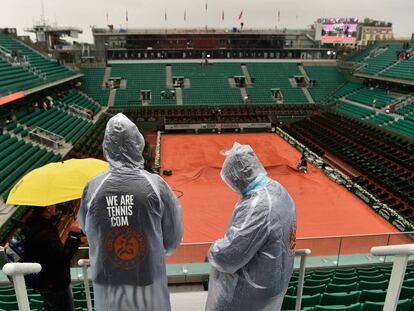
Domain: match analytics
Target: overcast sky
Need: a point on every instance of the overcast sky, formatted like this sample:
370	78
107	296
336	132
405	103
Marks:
151	13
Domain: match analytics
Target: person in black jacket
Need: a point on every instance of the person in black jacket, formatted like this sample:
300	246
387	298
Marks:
43	245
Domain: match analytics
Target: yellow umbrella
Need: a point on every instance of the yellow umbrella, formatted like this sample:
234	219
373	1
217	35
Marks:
55	182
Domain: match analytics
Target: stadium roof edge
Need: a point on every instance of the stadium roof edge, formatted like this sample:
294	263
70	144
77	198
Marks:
383	78
241	60
21	94
198	31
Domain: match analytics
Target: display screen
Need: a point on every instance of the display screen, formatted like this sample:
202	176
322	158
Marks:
337	30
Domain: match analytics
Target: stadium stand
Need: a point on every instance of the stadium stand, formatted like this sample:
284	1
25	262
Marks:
327	81
19	157
92	81
402	70
274	75
360	56
354	110
91	145
406	109
347	89
209	83
75	98
58	121
373	143
141	77
351	288
402	127
384	59
379	156
13	78
366	96
380	119
51	69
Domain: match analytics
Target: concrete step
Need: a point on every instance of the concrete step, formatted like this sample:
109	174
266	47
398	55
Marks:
168	76
111	98
179	96
107	75
246	74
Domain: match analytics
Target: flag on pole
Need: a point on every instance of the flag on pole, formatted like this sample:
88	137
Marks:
278	16
126	15
185	15
241	15
222	15
206	6
107	18
165	16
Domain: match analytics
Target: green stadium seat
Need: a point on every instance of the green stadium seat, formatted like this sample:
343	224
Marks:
8	297
317	276
340	298
291	290
310	300
372	295
289	302
373	285
342	280
7	290
406	292
9	305
369	272
294	278
336	288
36	304
293	283
374	278
313	290
403	305
408	283
354	307
348	274
312	282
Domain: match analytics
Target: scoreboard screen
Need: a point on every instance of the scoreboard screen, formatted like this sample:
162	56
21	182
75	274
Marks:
337	30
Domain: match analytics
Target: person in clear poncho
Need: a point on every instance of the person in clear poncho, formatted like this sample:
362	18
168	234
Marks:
252	264
132	220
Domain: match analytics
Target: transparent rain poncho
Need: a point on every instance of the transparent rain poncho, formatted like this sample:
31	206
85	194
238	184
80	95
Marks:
252	264
132	220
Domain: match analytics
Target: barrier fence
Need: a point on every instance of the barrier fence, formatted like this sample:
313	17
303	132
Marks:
326	251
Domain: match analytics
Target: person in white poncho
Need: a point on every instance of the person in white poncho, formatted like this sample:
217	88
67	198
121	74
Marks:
252	264
132	220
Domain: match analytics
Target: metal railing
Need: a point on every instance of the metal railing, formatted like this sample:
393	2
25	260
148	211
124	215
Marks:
327	252
401	253
17	271
303	253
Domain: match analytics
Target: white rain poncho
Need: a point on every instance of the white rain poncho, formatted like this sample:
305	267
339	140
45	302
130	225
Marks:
253	263
132	219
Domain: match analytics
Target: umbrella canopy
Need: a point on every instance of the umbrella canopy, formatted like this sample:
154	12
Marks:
55	182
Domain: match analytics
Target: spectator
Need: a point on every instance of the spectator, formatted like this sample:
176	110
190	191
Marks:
44	246
253	262
89	112
133	219
303	164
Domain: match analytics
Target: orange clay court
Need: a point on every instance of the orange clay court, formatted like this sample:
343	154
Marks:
323	207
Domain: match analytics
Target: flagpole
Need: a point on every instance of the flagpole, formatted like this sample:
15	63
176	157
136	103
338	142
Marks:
126	19
206	17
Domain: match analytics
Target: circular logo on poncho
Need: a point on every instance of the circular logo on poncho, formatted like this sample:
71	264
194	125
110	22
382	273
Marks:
126	247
